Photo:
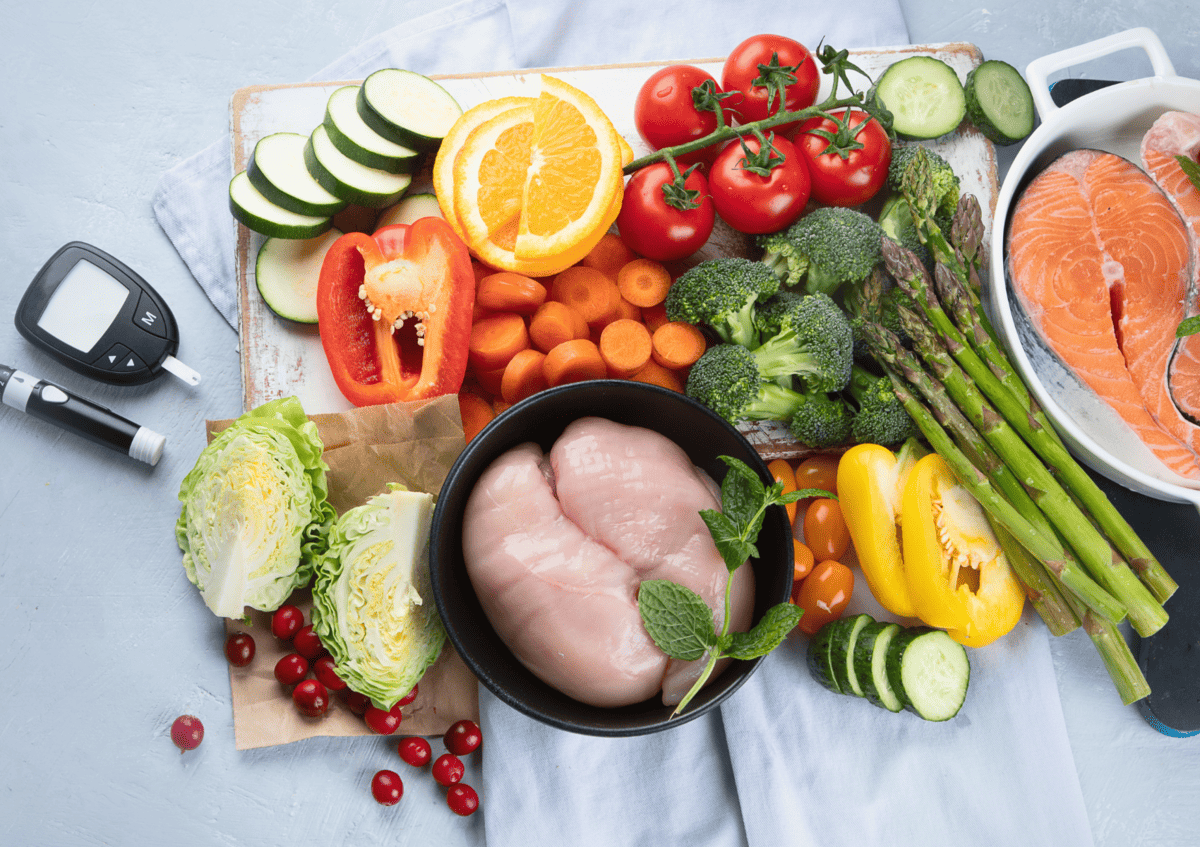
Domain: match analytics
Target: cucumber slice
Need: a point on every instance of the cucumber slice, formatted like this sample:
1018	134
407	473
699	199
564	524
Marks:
407	108
286	272
929	671
358	141
346	178
261	215
924	95
999	102
277	170
819	660
841	652
409	209
870	664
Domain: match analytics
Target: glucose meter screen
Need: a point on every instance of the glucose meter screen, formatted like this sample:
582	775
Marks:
83	306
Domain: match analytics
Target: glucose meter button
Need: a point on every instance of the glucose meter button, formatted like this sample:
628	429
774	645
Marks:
149	317
113	358
129	363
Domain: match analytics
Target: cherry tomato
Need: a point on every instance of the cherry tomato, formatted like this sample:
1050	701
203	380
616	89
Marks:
754	202
325	670
409	697
770	73
239	649
462	737
653	228
387	788
286	621
816	472
448	769
311	698
382	721
462	799
802	562
291	669
824	595
782	471
308	643
415	750
358	703
665	113
853	167
825	530
187	732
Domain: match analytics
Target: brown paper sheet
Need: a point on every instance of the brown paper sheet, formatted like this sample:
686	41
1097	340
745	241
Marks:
414	444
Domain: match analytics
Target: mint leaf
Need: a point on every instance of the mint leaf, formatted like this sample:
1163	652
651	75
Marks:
742	492
728	538
677	618
766	635
1191	170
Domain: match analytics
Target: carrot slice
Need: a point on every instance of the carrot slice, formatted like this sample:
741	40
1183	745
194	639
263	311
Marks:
489	381
654	316
655	374
678	344
625	346
574	361
495	339
589	292
609	255
630	311
510	292
552	324
523	376
476	413
644	282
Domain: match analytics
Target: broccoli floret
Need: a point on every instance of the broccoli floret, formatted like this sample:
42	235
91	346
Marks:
946	187
878	415
722	294
726	379
812	340
822	420
828	247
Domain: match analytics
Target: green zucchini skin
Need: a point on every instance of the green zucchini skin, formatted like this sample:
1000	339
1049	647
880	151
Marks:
841	652
259	214
351	135
870	656
820	660
383	104
999	102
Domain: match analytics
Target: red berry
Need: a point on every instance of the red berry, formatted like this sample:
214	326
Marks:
462	799
462	737
324	669
387	787
187	732
308	643
239	649
291	669
358	703
415	750
409	697
381	721
286	621
311	698
448	769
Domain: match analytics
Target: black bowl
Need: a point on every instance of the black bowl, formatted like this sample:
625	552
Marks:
704	435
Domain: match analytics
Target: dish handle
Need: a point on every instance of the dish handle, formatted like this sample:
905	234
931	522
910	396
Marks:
1037	72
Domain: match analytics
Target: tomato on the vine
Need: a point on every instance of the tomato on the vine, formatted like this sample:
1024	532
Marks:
654	228
823	595
758	189
666	113
847	158
769	73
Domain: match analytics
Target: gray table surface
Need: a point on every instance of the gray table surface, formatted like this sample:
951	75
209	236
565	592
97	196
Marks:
105	641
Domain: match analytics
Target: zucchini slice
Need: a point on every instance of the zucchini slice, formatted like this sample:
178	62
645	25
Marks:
929	671
407	108
286	272
277	170
841	652
261	215
820	663
409	209
870	664
348	179
924	95
999	102
358	141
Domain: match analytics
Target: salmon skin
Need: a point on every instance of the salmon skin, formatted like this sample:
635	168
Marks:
1101	264
1178	134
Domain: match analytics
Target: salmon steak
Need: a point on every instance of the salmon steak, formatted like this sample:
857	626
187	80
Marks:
1178	134
1101	263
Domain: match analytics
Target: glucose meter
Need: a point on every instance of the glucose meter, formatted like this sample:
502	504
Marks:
98	317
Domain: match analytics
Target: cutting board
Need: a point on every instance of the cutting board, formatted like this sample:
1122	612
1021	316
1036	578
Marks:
281	358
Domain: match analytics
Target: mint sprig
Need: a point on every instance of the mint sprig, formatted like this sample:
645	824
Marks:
678	619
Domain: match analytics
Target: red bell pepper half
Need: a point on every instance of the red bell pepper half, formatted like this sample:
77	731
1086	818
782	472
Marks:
394	312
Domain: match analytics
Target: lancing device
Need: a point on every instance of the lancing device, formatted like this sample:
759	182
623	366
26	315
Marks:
55	405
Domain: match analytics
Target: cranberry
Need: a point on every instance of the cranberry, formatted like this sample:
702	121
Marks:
358	703
325	671
448	769
187	732
415	750
409	697
382	721
291	669
462	737
462	799
311	698
239	649
286	622
387	787
308	643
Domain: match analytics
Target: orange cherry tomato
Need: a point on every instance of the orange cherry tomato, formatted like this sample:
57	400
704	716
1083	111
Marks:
782	471
825	530
803	561
824	595
816	472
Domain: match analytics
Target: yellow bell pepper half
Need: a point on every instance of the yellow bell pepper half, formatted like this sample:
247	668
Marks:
958	577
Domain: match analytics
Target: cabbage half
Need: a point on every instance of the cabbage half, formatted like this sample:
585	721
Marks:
255	515
372	600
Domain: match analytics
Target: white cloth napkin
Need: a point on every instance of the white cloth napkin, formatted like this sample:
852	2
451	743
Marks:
783	761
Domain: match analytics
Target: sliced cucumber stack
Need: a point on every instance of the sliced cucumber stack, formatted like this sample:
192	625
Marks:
924	95
919	669
277	170
350	180
286	272
351	135
408	108
999	102
261	215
